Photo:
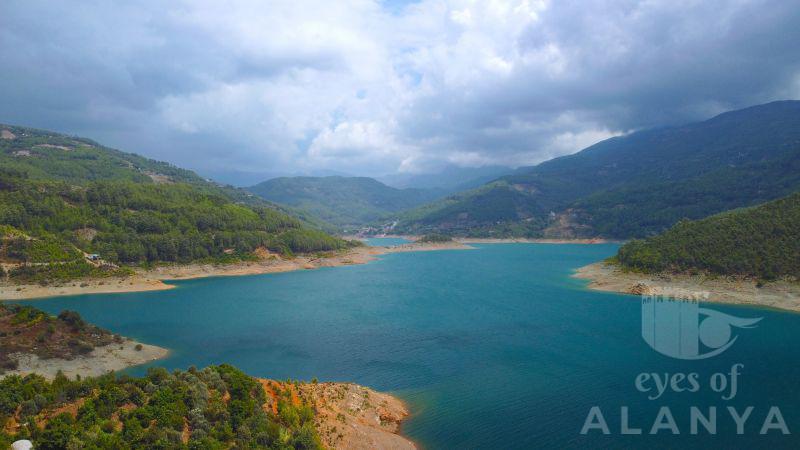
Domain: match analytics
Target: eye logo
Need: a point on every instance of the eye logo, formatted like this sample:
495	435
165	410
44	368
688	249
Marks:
677	328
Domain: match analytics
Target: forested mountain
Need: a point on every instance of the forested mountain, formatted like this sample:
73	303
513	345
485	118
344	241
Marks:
343	201
635	185
761	241
62	198
450	179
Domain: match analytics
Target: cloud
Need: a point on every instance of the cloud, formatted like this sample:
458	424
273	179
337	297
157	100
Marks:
366	87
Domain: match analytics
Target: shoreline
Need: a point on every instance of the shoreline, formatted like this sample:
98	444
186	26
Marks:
349	416
607	277
100	361
154	279
476	240
591	241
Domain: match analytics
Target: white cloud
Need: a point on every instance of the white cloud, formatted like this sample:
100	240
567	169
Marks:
569	142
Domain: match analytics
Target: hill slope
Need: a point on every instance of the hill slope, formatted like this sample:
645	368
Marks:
635	185
63	197
449	180
761	241
343	201
213	408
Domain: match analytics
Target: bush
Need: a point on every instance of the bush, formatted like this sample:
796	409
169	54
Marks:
73	319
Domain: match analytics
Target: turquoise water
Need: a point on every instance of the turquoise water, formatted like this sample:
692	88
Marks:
386	241
492	348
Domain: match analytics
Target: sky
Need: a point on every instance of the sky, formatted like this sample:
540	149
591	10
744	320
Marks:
243	90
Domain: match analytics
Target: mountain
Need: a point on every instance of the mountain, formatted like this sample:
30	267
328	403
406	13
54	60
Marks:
761	241
342	201
244	178
635	185
450	179
63	198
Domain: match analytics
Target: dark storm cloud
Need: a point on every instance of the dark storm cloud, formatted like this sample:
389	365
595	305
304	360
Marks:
622	66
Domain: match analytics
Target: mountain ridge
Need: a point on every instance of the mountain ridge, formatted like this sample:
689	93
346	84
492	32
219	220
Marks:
342	201
734	159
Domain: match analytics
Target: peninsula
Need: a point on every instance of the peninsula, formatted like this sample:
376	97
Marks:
744	256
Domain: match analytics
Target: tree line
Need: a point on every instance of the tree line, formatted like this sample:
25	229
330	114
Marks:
761	242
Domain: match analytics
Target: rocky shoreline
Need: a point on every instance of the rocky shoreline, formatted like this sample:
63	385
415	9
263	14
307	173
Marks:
608	277
348	416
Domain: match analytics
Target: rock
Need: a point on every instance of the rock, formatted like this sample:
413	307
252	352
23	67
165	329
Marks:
641	289
22	444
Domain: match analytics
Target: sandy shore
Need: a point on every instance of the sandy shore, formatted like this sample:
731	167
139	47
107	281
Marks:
100	361
349	416
529	241
608	277
154	279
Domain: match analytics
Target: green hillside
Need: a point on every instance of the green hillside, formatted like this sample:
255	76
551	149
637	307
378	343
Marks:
63	197
635	185
449	179
761	241
218	407
343	201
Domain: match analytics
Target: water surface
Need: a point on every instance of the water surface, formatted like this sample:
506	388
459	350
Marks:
495	347
386	241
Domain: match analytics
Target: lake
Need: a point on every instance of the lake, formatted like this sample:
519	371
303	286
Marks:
495	347
386	241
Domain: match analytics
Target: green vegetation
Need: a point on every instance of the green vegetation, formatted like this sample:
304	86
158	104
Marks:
636	185
64	197
342	201
25	329
435	238
761	242
494	210
218	407
60	272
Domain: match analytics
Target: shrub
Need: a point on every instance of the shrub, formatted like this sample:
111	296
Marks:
73	319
